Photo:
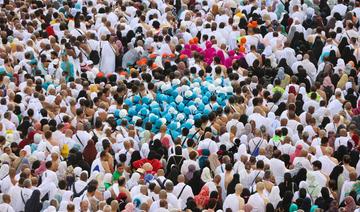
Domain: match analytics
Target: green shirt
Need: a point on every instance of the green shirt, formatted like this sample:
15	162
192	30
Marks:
116	175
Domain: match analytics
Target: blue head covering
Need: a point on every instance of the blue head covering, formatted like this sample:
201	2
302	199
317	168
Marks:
128	102
132	111
181	107
78	6
144	112
155	110
205	99
168	117
200	107
173	125
117	113
174	93
146	100
153	118
158	123
187	111
136	99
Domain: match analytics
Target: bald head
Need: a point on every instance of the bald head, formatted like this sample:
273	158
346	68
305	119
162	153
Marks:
163	195
6	198
144	190
181	178
238	189
160	172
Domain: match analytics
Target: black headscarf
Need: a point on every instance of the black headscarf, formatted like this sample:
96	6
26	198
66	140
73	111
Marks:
348	55
269	208
341	151
317	49
306	205
300	176
324	9
156	149
324	201
287	185
196	183
351	97
343	43
333	58
231	187
287	69
325	121
286	202
33	204
334	175
135	156
245	194
299	104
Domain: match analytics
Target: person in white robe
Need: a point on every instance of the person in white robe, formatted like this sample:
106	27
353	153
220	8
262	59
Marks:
258	200
347	186
328	163
107	57
182	191
277	167
234	201
5	205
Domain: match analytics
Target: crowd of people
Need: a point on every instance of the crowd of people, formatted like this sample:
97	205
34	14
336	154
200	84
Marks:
179	105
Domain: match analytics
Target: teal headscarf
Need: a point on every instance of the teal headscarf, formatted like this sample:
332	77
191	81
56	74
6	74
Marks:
293	207
280	8
313	208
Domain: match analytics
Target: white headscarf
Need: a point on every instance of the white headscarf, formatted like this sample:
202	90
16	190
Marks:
241	151
77	171
144	152
133	181
27	149
206	175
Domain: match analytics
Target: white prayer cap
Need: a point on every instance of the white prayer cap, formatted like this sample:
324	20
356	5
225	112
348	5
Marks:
77	171
84	171
299	57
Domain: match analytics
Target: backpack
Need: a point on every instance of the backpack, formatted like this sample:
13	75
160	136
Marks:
255	152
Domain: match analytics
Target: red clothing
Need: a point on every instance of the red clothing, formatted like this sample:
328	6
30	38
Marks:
156	164
28	140
50	31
